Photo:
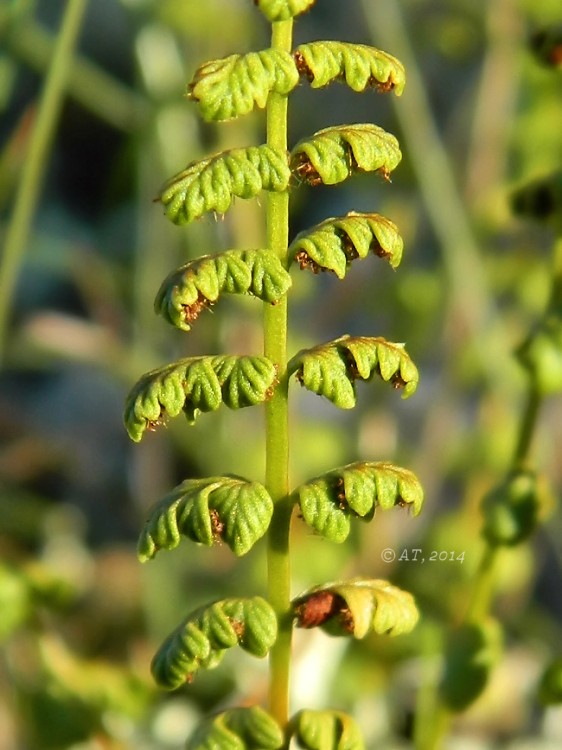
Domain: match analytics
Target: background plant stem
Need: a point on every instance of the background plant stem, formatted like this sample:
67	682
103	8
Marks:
277	429
34	167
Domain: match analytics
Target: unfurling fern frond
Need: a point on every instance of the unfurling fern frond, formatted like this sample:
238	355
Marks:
358	65
282	10
335	243
197	384
233	86
247	728
332	155
201	640
325	730
212	184
356	607
229	509
329	502
331	369
198	284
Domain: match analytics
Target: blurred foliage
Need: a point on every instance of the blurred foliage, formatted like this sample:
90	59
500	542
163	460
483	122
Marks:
79	617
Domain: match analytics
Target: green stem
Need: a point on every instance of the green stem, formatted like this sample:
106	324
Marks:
527	429
277	422
36	158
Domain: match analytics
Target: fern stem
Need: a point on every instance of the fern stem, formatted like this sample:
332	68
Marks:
35	162
277	423
527	429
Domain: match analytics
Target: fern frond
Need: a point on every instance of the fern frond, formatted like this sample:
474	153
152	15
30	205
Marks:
201	640
332	155
328	502
247	728
512	510
471	655
229	509
336	242
198	284
358	65
331	369
356	607
211	184
282	10
235	85
197	384
325	730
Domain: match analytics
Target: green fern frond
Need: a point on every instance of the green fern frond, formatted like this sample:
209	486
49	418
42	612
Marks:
212	184
331	369
235	85
229	509
282	10
325	730
197	384
201	640
471	654
332	155
330	501
356	607
198	284
247	728
358	65
336	242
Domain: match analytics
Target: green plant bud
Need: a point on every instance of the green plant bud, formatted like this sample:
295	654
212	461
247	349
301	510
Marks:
282	10
197	384
248	728
329	502
201	640
511	511
198	284
228	509
331	369
332	155
357	607
212	184
550	685
541	355
358	65
335	243
235	85
470	656
325	730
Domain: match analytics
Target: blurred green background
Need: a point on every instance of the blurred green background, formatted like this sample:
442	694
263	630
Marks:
79	616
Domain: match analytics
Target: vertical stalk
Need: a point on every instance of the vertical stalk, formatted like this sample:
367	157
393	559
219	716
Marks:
277	427
34	166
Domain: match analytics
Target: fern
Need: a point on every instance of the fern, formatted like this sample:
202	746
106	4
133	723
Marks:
332	155
198	284
356	64
233	510
283	10
357	607
331	369
329	502
212	184
326	730
194	385
233	86
229	509
248	728
335	243
200	641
